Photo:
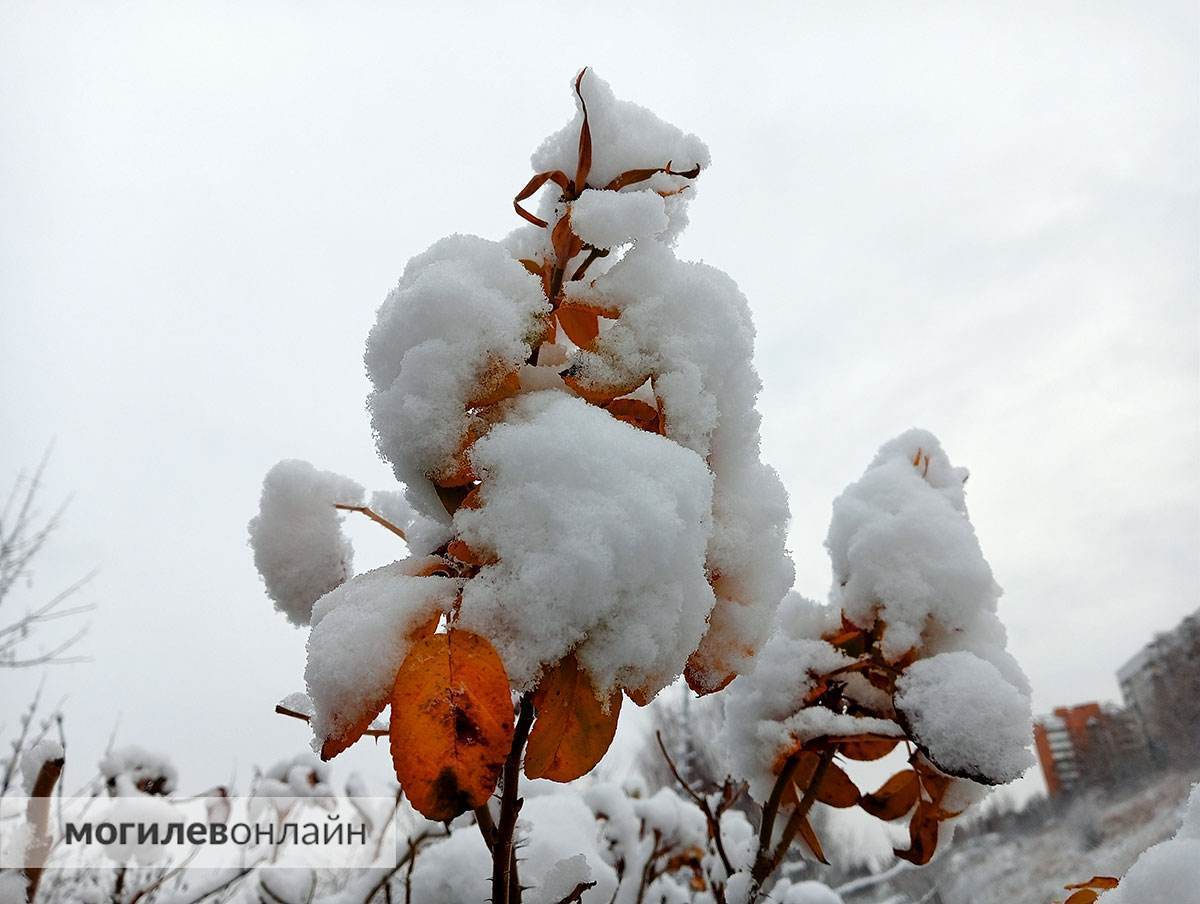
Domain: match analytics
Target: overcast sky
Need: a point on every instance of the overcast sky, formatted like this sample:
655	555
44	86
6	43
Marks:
979	219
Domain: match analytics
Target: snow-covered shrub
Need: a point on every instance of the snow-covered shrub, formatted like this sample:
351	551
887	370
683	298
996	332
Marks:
571	413
134	770
909	651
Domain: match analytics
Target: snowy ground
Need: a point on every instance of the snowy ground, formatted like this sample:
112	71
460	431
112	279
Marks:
1033	869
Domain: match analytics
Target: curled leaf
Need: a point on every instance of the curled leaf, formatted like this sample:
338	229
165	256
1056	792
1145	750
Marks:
922	834
557	177
894	798
452	723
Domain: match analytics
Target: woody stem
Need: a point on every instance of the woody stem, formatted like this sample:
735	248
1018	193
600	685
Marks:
506	888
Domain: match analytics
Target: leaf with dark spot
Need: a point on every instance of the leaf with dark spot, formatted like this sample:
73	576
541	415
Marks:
452	723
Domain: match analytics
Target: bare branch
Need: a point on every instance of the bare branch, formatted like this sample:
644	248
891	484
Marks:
284	711
377	518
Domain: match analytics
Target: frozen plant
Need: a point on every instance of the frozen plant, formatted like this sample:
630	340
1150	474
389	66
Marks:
910	652
571	413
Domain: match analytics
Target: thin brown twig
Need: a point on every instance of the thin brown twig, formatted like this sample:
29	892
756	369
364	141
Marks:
763	870
714	823
374	516
291	713
576	895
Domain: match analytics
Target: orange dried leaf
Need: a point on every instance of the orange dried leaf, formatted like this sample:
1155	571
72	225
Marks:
496	386
581	327
700	682
1084	896
565	242
467	555
574	728
599	392
336	743
640	414
452	723
1101	882
894	798
557	177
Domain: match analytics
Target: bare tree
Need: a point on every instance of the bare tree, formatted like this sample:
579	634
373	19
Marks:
24	532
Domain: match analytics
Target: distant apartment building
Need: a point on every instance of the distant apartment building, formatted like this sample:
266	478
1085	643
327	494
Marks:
1092	745
1161	685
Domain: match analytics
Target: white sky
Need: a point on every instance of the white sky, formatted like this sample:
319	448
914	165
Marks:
980	218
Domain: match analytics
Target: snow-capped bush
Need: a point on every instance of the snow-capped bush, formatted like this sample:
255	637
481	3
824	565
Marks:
572	414
910	650
299	547
134	770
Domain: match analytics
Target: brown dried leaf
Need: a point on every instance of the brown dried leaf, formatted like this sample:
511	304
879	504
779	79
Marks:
895	797
558	177
585	140
922	834
810	839
867	747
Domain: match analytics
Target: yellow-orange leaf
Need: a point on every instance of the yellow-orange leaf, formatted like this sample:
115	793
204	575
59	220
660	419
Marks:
894	798
452	723
467	555
496	385
574	727
1101	882
640	414
581	327
1083	896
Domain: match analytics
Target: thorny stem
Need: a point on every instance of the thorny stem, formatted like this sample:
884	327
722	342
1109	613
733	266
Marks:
506	888
377	518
